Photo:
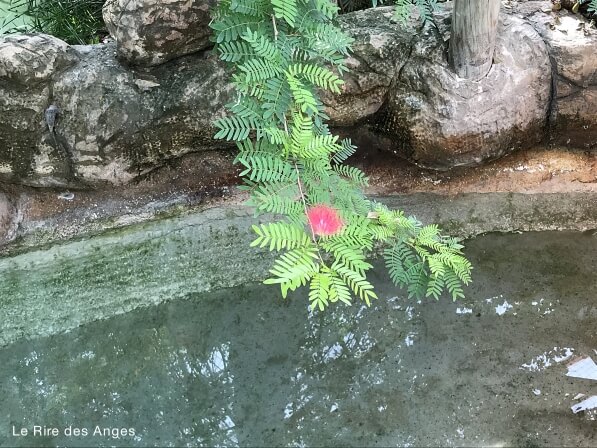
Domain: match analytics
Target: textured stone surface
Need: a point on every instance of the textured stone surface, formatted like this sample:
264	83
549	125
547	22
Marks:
380	50
573	44
440	120
150	32
114	124
8	220
27	60
29	64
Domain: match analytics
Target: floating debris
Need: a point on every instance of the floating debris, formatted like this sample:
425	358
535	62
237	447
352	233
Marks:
67	196
537	392
464	310
583	368
548	359
588	404
579	396
501	309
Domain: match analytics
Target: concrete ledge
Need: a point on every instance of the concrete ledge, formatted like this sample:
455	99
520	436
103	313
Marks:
56	289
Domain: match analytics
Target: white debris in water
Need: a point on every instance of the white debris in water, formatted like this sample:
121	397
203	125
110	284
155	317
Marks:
410	312
334	407
464	310
578	396
491	299
333	352
382	407
589	403
567	354
409	339
537	392
350	340
288	410
539	303
361	311
460	432
547	359
88	355
583	368
227	423
501	309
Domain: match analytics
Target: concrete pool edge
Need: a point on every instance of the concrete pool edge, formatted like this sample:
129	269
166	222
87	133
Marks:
77	282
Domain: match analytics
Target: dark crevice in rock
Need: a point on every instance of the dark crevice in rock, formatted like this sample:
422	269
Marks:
551	108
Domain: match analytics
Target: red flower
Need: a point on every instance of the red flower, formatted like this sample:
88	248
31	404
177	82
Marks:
324	220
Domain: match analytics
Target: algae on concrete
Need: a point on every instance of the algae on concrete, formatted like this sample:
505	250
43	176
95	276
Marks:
58	288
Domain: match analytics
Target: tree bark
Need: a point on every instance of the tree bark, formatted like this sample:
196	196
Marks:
472	42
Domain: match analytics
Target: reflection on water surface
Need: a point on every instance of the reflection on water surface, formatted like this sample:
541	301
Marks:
242	367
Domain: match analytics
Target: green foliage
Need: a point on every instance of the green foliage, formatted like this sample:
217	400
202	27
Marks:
285	52
403	8
74	21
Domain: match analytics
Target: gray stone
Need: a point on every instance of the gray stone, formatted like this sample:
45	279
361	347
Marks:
28	66
440	120
8	220
572	43
380	50
150	32
116	123
30	59
113	123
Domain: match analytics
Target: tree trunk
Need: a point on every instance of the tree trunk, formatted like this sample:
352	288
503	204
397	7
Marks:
472	42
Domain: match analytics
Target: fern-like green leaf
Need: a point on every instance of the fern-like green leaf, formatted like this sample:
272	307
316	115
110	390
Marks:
259	69
277	98
285	9
233	128
317	75
353	173
255	8
346	150
280	235
230	27
267	168
293	269
358	283
235	51
261	45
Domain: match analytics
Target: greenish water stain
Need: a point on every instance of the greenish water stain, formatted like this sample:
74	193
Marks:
241	367
55	289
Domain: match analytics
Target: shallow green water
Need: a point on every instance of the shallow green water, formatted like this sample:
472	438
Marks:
241	367
11	16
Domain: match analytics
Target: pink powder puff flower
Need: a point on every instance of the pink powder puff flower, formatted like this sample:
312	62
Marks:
324	220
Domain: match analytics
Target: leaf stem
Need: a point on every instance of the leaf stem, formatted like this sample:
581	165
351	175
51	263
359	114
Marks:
298	179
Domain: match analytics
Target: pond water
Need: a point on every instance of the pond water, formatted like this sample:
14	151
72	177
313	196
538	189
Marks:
241	367
11	15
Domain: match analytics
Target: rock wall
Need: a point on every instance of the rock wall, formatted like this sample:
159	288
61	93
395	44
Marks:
129	106
572	44
437	119
151	32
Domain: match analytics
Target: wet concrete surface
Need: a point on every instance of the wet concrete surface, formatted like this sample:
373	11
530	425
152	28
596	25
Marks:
242	367
41	216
